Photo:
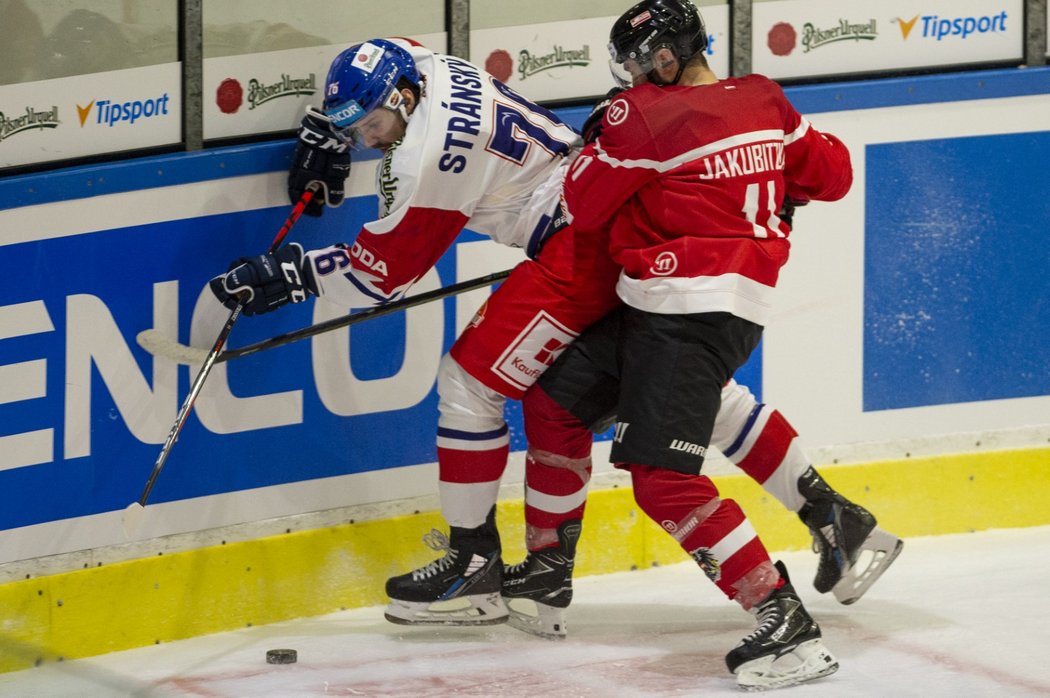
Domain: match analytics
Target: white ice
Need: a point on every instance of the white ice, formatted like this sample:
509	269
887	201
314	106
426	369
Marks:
961	615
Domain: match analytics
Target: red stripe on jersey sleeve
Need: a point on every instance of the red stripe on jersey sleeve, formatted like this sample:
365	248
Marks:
401	256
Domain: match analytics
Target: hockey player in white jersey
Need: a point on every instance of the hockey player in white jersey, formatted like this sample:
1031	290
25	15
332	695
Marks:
461	150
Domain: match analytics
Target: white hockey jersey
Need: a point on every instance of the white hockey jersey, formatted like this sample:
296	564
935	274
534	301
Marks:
476	155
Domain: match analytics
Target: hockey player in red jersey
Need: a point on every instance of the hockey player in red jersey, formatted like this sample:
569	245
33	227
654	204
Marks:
448	164
688	175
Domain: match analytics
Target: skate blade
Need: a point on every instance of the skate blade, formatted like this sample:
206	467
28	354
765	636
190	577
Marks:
536	618
480	609
878	552
806	662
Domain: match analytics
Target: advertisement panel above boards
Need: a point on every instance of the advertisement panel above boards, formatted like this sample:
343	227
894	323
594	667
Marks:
266	92
868	347
570	60
810	38
91	114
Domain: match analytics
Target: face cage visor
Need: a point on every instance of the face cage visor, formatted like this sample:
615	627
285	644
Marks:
634	67
346	117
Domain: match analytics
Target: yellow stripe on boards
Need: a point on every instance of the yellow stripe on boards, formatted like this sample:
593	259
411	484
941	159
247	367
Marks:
306	573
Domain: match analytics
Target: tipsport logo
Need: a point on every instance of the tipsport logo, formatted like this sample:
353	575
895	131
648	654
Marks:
112	113
940	28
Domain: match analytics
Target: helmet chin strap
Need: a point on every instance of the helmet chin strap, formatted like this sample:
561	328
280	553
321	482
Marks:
396	103
654	77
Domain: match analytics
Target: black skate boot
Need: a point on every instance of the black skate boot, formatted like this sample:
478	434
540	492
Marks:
785	649
544	577
461	588
842	533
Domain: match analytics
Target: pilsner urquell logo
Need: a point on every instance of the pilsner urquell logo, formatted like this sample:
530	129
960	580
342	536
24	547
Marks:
530	64
11	125
287	86
813	38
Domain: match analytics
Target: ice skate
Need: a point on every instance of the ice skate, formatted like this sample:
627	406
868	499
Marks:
538	589
854	551
460	588
785	649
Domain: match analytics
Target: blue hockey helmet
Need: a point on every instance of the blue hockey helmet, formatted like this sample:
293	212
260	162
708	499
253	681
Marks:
365	76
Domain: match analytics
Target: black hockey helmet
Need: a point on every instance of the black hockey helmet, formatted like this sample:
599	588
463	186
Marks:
649	26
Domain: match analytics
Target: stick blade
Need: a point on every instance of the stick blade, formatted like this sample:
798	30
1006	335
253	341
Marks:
157	344
131	519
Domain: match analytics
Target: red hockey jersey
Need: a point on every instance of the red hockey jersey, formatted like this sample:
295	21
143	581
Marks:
689	179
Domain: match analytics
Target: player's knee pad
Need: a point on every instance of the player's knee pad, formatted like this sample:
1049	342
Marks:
668	496
464	402
552	429
736	416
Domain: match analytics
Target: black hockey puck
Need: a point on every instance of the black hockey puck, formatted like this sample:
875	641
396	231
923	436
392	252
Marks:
281	656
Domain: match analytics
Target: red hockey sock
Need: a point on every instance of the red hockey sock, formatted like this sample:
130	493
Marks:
557	468
714	531
470	466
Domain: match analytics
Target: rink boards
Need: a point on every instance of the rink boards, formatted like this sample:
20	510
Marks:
909	340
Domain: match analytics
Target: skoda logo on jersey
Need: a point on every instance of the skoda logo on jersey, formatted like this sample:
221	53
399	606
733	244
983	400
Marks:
616	112
665	264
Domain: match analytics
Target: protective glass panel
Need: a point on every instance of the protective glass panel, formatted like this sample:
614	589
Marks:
266	60
87	77
554	51
46	39
236	27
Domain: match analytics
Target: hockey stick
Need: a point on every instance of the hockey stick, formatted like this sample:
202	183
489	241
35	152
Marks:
133	512
157	344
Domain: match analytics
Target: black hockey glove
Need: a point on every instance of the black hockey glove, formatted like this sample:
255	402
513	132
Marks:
320	156
592	127
268	281
787	209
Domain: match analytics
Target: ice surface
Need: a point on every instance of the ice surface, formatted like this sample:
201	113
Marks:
961	615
